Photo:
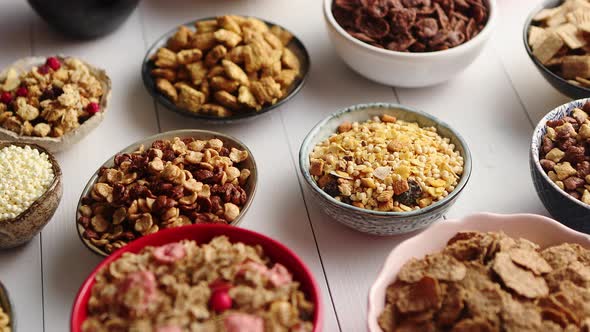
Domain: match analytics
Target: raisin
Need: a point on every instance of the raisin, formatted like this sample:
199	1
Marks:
410	196
331	188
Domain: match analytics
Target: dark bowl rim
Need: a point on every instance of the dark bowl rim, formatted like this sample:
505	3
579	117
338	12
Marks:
149	83
57	175
536	160
527	24
137	245
181	132
304	162
485	32
8	307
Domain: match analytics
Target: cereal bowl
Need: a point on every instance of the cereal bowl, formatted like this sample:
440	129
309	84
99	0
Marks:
294	45
406	69
22	228
564	86
373	221
541	230
202	233
568	210
67	138
176	205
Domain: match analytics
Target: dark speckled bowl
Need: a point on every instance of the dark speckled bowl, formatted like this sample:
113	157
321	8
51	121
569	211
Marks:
6	306
562	85
563	207
371	221
29	223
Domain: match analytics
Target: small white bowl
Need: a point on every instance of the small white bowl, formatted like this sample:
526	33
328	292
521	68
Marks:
541	230
405	69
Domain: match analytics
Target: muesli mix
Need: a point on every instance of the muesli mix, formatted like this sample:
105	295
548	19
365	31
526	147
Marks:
4	321
186	286
412	25
565	153
49	100
559	40
25	175
492	282
386	164
229	65
173	183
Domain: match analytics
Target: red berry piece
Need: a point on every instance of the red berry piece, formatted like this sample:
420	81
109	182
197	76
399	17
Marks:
220	285
6	98
220	301
22	91
53	63
93	108
43	69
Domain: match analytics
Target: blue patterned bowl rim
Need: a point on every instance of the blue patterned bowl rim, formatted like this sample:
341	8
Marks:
557	113
304	160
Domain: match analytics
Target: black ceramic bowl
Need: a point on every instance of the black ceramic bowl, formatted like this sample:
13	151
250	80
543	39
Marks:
562	85
563	207
296	46
84	19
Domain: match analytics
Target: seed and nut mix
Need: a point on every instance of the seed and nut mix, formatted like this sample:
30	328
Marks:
559	39
565	153
49	100
492	282
173	183
412	25
229	65
4	321
386	164
184	286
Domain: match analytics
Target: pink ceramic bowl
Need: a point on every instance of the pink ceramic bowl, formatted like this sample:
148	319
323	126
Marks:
201	233
539	229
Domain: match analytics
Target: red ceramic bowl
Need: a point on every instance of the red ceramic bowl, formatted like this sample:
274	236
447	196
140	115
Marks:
203	233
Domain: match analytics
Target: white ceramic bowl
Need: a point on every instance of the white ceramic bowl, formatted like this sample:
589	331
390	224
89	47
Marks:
541	230
406	69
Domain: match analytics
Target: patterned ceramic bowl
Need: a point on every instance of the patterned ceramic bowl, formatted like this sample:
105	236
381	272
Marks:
563	207
378	222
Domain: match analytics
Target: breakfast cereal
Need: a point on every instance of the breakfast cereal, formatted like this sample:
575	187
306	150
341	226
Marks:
186	286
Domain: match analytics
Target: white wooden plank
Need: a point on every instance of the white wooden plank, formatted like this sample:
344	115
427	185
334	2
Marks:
20	268
278	208
131	116
537	95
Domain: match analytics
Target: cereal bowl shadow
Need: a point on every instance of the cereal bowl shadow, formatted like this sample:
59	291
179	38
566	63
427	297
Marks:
378	222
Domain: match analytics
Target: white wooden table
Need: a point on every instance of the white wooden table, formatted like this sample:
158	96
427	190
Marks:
494	104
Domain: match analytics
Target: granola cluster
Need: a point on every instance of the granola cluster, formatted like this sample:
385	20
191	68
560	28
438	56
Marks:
412	25
559	40
565	153
492	282
4	321
386	164
49	100
184	286
173	183
229	65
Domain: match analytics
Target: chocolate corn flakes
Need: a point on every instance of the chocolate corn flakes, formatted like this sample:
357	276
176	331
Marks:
412	25
491	282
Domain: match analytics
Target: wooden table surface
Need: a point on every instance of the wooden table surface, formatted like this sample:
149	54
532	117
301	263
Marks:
494	104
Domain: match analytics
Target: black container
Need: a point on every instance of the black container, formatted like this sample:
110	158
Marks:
565	87
84	19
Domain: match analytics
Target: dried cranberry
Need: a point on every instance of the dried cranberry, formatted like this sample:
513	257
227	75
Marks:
216	204
22	91
220	301
203	175
6	97
90	234
204	204
92	108
53	63
168	155
43	69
